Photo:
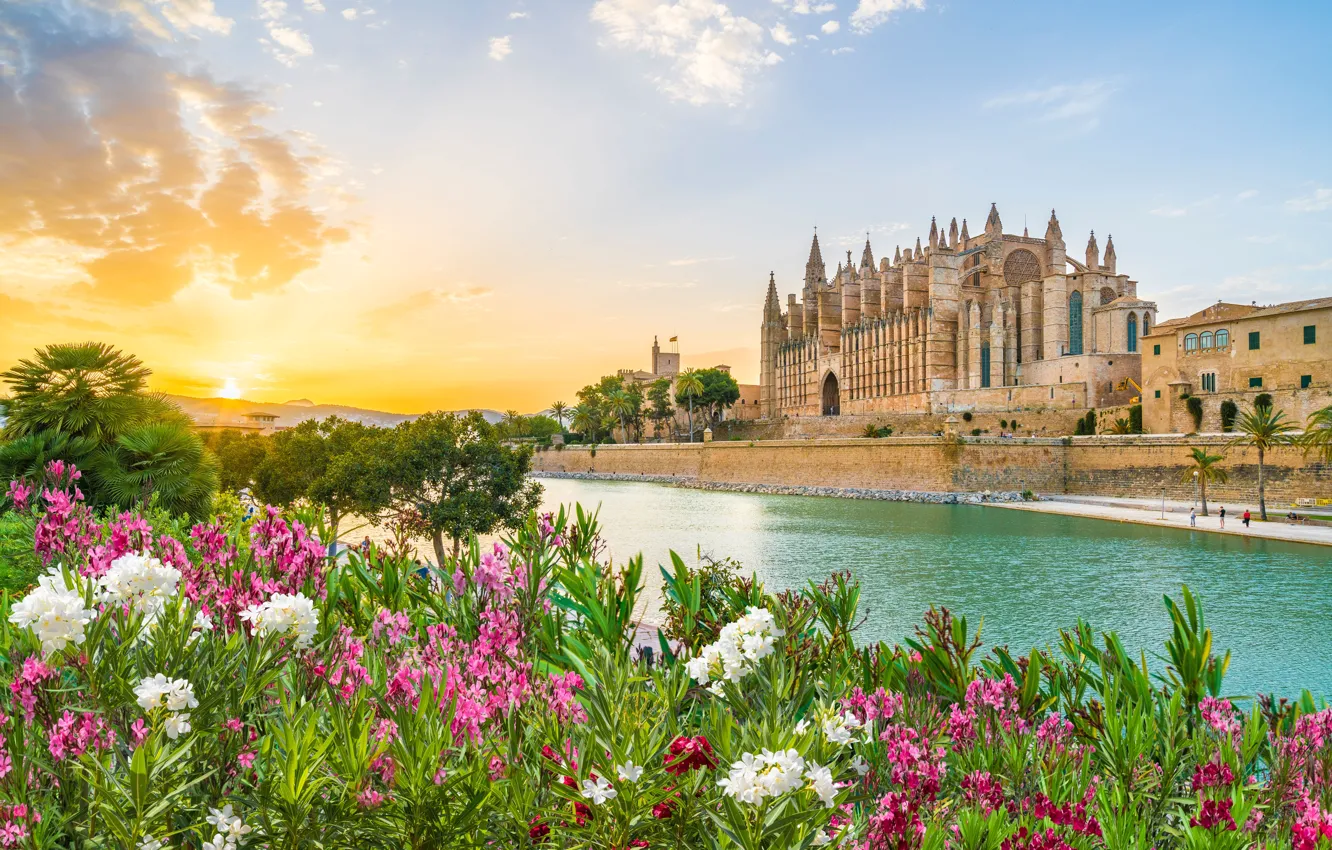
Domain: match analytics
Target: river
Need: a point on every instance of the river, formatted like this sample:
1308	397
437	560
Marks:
1028	574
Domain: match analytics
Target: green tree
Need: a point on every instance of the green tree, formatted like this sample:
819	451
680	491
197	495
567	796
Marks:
659	394
161	459
558	409
239	457
1203	468
720	391
585	421
688	387
1263	428
338	464
80	390
1318	434
458	477
624	406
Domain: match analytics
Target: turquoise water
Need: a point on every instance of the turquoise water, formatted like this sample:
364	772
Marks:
1027	574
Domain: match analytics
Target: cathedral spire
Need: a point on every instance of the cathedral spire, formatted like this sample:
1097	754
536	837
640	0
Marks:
772	305
952	233
918	251
867	256
934	233
897	255
1109	264
1093	253
993	226
1052	232
815	271
965	235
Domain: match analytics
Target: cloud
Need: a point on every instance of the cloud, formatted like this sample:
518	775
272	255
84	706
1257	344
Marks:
873	13
350	14
712	54
1077	104
1320	200
514	16
840	50
782	35
164	18
287	43
150	174
804	7
830	27
499	48
314	6
1325	265
1247	194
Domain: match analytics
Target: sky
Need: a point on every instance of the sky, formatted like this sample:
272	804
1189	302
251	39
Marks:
436	204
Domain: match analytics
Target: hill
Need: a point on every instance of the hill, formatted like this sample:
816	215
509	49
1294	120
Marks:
221	412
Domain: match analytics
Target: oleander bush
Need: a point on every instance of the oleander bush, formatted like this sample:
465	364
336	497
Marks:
225	685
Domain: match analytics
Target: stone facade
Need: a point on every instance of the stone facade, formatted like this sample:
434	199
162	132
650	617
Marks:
1235	352
952	326
1106	466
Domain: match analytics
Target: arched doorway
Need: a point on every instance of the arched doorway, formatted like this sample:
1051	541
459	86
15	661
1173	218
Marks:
831	401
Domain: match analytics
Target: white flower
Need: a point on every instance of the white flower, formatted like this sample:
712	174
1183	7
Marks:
738	647
284	613
629	772
839	729
598	792
756	777
219	842
140	580
177	725
150	843
54	612
802	727
175	694
231	828
821	839
860	765
821	783
202	622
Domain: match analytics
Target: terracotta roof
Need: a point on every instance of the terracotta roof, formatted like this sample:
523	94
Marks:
1293	307
1218	312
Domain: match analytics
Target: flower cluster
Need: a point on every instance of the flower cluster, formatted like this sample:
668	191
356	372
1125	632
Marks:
175	695
284	614
139	580
230	829
55	611
740	645
755	778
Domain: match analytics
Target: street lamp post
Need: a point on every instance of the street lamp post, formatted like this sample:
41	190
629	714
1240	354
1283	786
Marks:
1163	504
1195	488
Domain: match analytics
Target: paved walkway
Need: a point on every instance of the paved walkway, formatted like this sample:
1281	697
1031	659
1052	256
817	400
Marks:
1148	512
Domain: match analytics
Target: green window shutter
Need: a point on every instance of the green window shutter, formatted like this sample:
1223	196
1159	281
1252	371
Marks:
1310	334
1305	381
1158	392
1156	349
1255	382
1253	340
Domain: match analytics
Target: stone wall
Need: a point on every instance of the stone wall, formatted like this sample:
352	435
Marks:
1112	466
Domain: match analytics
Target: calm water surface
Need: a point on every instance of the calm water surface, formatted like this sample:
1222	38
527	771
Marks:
1027	574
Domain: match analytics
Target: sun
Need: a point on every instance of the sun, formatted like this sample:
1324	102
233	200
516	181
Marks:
229	389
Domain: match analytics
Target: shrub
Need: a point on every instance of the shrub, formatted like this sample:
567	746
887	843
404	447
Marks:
966	416
975	432
1028	496
1090	423
1014	423
1195	406
1003	423
1262	400
1135	419
1229	411
1080	429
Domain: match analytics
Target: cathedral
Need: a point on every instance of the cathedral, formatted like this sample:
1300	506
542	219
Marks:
990	323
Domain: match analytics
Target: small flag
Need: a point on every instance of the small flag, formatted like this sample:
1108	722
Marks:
675	339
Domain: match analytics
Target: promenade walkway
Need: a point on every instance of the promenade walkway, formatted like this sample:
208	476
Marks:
1176	515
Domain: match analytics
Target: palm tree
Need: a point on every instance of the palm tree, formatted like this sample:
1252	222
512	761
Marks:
82	390
1204	468
1318	434
585	420
513	422
689	386
162	458
1264	429
559	408
621	404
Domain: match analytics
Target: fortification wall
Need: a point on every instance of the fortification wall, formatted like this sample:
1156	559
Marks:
1109	466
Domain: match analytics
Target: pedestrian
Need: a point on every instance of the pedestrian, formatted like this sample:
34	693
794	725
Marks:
365	546
1246	517
1223	516
1193	517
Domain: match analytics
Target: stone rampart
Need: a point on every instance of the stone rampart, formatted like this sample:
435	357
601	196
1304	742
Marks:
1111	466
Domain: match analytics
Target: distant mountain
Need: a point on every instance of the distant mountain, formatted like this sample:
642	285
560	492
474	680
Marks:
222	412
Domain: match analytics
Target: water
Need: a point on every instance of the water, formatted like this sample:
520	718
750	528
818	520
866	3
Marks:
1027	574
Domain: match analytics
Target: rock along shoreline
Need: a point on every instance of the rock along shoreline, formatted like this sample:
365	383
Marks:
963	498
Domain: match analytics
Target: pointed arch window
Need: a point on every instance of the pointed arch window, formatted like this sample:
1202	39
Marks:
1146	324
985	364
1075	323
1132	332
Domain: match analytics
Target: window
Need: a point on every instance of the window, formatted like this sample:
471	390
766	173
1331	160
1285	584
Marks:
1208	382
1075	323
985	365
1305	381
1147	325
1310	334
1205	341
1223	339
1254	342
1156	349
1132	332
1191	342
1158	393
1255	382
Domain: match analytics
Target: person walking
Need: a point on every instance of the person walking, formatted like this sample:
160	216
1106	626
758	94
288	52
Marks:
1223	516
1193	517
1246	517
